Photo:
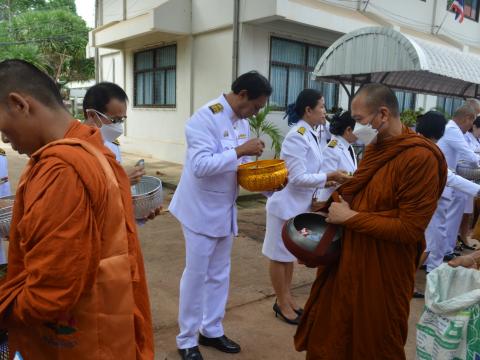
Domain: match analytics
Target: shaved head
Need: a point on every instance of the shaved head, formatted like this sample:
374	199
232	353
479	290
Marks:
475	104
465	111
377	95
22	77
464	117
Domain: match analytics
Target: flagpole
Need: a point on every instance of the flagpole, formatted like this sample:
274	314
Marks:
444	18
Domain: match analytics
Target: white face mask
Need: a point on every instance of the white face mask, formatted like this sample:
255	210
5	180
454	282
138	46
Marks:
111	132
365	133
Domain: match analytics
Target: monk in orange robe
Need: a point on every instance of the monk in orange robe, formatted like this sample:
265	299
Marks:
76	285
358	308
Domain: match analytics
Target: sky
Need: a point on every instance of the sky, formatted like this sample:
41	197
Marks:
86	9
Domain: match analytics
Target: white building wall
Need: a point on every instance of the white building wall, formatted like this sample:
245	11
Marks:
212	65
159	132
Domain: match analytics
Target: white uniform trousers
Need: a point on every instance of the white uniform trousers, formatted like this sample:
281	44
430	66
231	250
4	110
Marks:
468	204
203	287
454	219
436	235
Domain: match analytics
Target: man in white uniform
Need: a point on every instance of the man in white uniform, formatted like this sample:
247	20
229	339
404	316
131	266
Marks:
455	148
204	202
432	126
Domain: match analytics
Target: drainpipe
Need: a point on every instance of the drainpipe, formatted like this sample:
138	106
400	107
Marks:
434	16
95	58
236	37
124	10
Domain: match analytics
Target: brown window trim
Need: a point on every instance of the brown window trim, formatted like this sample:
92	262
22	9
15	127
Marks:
305	67
153	70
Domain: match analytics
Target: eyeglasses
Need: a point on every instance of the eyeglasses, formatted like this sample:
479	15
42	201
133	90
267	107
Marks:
113	119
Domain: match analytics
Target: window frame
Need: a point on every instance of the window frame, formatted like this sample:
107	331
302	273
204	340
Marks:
307	70
154	70
444	101
449	3
413	101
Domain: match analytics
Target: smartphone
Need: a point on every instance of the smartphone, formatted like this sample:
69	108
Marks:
140	163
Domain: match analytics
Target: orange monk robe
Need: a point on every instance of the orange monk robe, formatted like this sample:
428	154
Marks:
56	244
358	308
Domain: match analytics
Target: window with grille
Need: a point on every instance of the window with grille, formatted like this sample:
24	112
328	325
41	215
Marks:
406	100
155	77
448	104
291	65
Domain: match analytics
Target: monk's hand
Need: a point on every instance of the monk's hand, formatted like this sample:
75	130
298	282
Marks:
339	212
338	176
330	184
154	213
135	174
469	261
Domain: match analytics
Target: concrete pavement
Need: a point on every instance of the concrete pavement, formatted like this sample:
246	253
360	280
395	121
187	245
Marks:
249	319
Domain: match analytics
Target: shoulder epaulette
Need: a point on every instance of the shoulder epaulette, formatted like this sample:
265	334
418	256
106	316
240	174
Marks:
2	152
216	108
301	130
332	143
116	142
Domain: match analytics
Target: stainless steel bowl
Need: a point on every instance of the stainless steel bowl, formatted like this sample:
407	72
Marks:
468	172
309	248
147	196
6	215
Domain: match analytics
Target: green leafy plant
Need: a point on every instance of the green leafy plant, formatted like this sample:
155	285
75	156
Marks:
260	126
409	116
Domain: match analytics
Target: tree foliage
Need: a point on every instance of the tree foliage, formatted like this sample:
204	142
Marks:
49	34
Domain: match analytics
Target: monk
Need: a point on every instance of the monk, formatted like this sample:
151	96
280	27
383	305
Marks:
76	286
358	308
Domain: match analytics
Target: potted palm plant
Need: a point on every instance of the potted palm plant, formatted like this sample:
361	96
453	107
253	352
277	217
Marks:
264	175
259	125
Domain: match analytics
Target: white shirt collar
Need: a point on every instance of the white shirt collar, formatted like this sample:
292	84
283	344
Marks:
228	109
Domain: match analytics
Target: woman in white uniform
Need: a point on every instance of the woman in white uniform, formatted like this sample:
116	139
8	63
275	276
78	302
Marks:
339	153
302	153
472	139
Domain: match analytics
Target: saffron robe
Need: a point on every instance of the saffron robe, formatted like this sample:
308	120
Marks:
358	308
76	285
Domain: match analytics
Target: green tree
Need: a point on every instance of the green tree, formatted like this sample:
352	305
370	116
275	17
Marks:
47	33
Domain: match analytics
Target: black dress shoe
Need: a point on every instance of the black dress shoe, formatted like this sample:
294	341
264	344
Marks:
192	353
278	312
221	343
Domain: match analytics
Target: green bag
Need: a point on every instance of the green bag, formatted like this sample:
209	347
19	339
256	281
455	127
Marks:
449	328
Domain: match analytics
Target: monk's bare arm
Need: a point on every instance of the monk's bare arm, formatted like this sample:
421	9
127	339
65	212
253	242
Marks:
59	234
417	195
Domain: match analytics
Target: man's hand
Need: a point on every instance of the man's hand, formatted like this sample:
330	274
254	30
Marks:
339	212
253	147
466	261
135	174
338	177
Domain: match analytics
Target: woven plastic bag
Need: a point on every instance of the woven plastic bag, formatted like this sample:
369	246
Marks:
449	328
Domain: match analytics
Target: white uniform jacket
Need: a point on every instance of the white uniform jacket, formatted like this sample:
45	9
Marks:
324	135
303	158
115	148
461	184
204	200
455	147
336	156
473	142
4	182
